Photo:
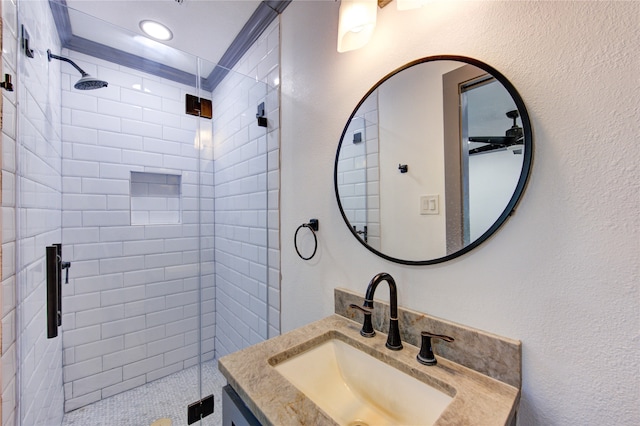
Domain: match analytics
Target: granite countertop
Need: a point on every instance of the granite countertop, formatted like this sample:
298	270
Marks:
477	398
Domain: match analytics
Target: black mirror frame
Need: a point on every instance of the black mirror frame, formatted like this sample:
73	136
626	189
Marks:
522	181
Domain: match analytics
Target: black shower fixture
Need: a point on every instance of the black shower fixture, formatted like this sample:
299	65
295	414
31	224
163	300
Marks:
86	82
261	116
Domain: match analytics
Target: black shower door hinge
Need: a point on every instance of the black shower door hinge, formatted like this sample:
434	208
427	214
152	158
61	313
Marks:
199	409
200	107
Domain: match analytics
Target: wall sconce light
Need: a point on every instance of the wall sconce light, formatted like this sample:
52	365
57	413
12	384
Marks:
356	23
357	20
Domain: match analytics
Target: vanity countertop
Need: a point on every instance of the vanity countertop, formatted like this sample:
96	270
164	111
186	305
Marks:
477	399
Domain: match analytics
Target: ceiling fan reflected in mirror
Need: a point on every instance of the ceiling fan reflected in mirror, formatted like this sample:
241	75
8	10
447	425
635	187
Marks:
512	140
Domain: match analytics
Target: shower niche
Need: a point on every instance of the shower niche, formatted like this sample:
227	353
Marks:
155	198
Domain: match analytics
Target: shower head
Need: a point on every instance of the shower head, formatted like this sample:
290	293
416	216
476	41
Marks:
86	82
89	83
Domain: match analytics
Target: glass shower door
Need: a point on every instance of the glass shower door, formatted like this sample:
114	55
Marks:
240	217
114	175
164	218
38	205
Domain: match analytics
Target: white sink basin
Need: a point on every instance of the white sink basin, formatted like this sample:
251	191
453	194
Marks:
356	389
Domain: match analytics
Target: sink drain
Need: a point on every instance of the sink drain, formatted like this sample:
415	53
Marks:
358	423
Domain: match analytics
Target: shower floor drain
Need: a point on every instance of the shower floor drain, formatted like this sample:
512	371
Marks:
161	422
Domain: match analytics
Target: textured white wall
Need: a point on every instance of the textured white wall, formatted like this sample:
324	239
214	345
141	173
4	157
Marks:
562	275
406	233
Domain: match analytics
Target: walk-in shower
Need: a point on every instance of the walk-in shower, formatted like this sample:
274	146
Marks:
165	218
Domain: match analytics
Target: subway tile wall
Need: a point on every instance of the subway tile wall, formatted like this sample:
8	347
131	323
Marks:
352	173
32	185
8	297
247	197
370	111
138	247
358	172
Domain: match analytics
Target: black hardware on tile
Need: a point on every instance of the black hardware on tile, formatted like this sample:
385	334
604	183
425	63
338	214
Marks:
61	265
199	409
192	105
55	265
262	119
206	109
313	226
6	84
25	43
58	247
426	355
367	325
52	292
357	137
403	168
200	107
65	265
364	232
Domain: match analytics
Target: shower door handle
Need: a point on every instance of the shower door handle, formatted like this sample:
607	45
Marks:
55	265
58	247
53	292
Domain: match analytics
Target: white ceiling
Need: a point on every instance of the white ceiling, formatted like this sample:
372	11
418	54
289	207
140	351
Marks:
202	28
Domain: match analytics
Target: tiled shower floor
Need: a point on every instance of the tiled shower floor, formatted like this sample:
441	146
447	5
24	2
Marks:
164	398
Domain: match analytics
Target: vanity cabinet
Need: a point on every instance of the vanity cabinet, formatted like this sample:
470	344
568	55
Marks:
234	412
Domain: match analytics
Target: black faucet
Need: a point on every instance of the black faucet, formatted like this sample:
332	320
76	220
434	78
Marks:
393	339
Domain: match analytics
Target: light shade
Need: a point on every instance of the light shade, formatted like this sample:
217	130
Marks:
156	30
356	23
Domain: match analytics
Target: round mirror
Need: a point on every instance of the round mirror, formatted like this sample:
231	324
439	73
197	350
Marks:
433	160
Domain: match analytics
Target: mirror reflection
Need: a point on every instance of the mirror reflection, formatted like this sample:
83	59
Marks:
432	160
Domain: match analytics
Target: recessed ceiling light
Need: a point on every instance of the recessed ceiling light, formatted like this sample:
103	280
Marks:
156	30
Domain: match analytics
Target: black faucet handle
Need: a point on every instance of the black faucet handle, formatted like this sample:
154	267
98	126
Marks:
365	310
438	336
426	355
367	325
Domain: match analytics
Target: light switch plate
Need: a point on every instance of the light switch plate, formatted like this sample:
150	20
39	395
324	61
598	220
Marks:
429	204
